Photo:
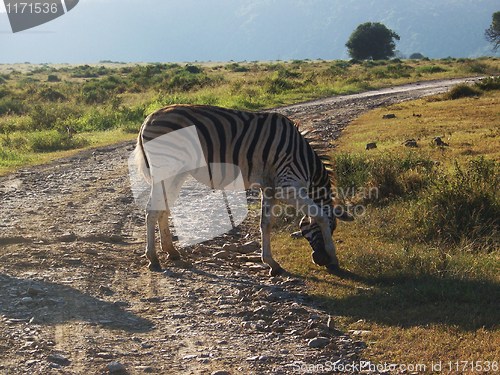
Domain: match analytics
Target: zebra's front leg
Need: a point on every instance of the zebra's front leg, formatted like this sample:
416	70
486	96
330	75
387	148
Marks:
151	219
167	245
266	217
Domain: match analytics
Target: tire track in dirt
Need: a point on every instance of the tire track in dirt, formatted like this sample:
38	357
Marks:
75	294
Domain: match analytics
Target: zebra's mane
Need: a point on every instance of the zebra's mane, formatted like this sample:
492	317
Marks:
321	147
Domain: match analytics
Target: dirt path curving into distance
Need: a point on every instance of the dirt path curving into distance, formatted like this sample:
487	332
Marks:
76	297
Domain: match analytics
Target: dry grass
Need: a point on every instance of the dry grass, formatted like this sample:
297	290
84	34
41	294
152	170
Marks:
471	126
422	302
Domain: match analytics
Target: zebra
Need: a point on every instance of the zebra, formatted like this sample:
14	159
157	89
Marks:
272	156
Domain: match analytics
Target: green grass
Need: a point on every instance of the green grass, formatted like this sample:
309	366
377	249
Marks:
424	282
38	102
421	265
10	160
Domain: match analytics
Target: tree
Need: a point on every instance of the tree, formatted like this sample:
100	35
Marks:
492	33
372	40
417	56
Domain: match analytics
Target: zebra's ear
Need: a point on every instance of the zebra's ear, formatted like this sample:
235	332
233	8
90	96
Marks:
342	214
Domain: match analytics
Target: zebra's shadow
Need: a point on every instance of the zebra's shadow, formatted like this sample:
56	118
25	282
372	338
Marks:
47	303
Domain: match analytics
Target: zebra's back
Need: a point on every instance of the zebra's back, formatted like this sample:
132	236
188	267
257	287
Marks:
265	146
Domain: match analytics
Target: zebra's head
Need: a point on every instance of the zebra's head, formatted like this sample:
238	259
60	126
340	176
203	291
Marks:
312	232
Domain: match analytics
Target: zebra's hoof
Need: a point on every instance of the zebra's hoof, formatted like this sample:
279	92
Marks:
155	267
174	256
333	268
321	258
276	271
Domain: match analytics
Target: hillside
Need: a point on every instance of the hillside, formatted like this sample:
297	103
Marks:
224	30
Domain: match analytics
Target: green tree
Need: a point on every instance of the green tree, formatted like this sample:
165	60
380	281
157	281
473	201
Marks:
492	33
372	40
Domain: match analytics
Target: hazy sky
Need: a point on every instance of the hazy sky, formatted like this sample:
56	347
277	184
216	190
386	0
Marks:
223	30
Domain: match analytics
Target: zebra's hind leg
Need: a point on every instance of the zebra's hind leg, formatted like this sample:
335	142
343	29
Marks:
266	217
166	237
151	219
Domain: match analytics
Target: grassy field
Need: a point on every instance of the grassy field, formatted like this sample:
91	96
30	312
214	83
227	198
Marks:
422	265
40	103
422	262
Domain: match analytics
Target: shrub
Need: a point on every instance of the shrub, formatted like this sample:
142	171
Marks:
4	78
193	69
9	155
338	68
462	91
53	78
465	205
48	116
9	105
95	92
50	94
475	67
84	71
235	67
489	84
430	69
183	80
389	175
277	85
399	176
350	171
53	140
16	141
95	121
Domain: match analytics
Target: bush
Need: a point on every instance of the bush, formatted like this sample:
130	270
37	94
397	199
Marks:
183	80
14	141
430	69
53	78
193	69
475	67
489	84
465	205
9	105
95	121
463	91
350	172
94	92
44	117
50	94
400	176
277	85
390	175
235	67
9	155
53	140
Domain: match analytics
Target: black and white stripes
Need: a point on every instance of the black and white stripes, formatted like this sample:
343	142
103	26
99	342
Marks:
271	154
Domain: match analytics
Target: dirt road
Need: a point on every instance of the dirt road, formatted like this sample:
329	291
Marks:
76	296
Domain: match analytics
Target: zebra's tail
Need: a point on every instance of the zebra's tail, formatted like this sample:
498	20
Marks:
141	161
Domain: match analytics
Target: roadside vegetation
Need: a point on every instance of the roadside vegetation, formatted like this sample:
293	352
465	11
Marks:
422	258
46	110
422	265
